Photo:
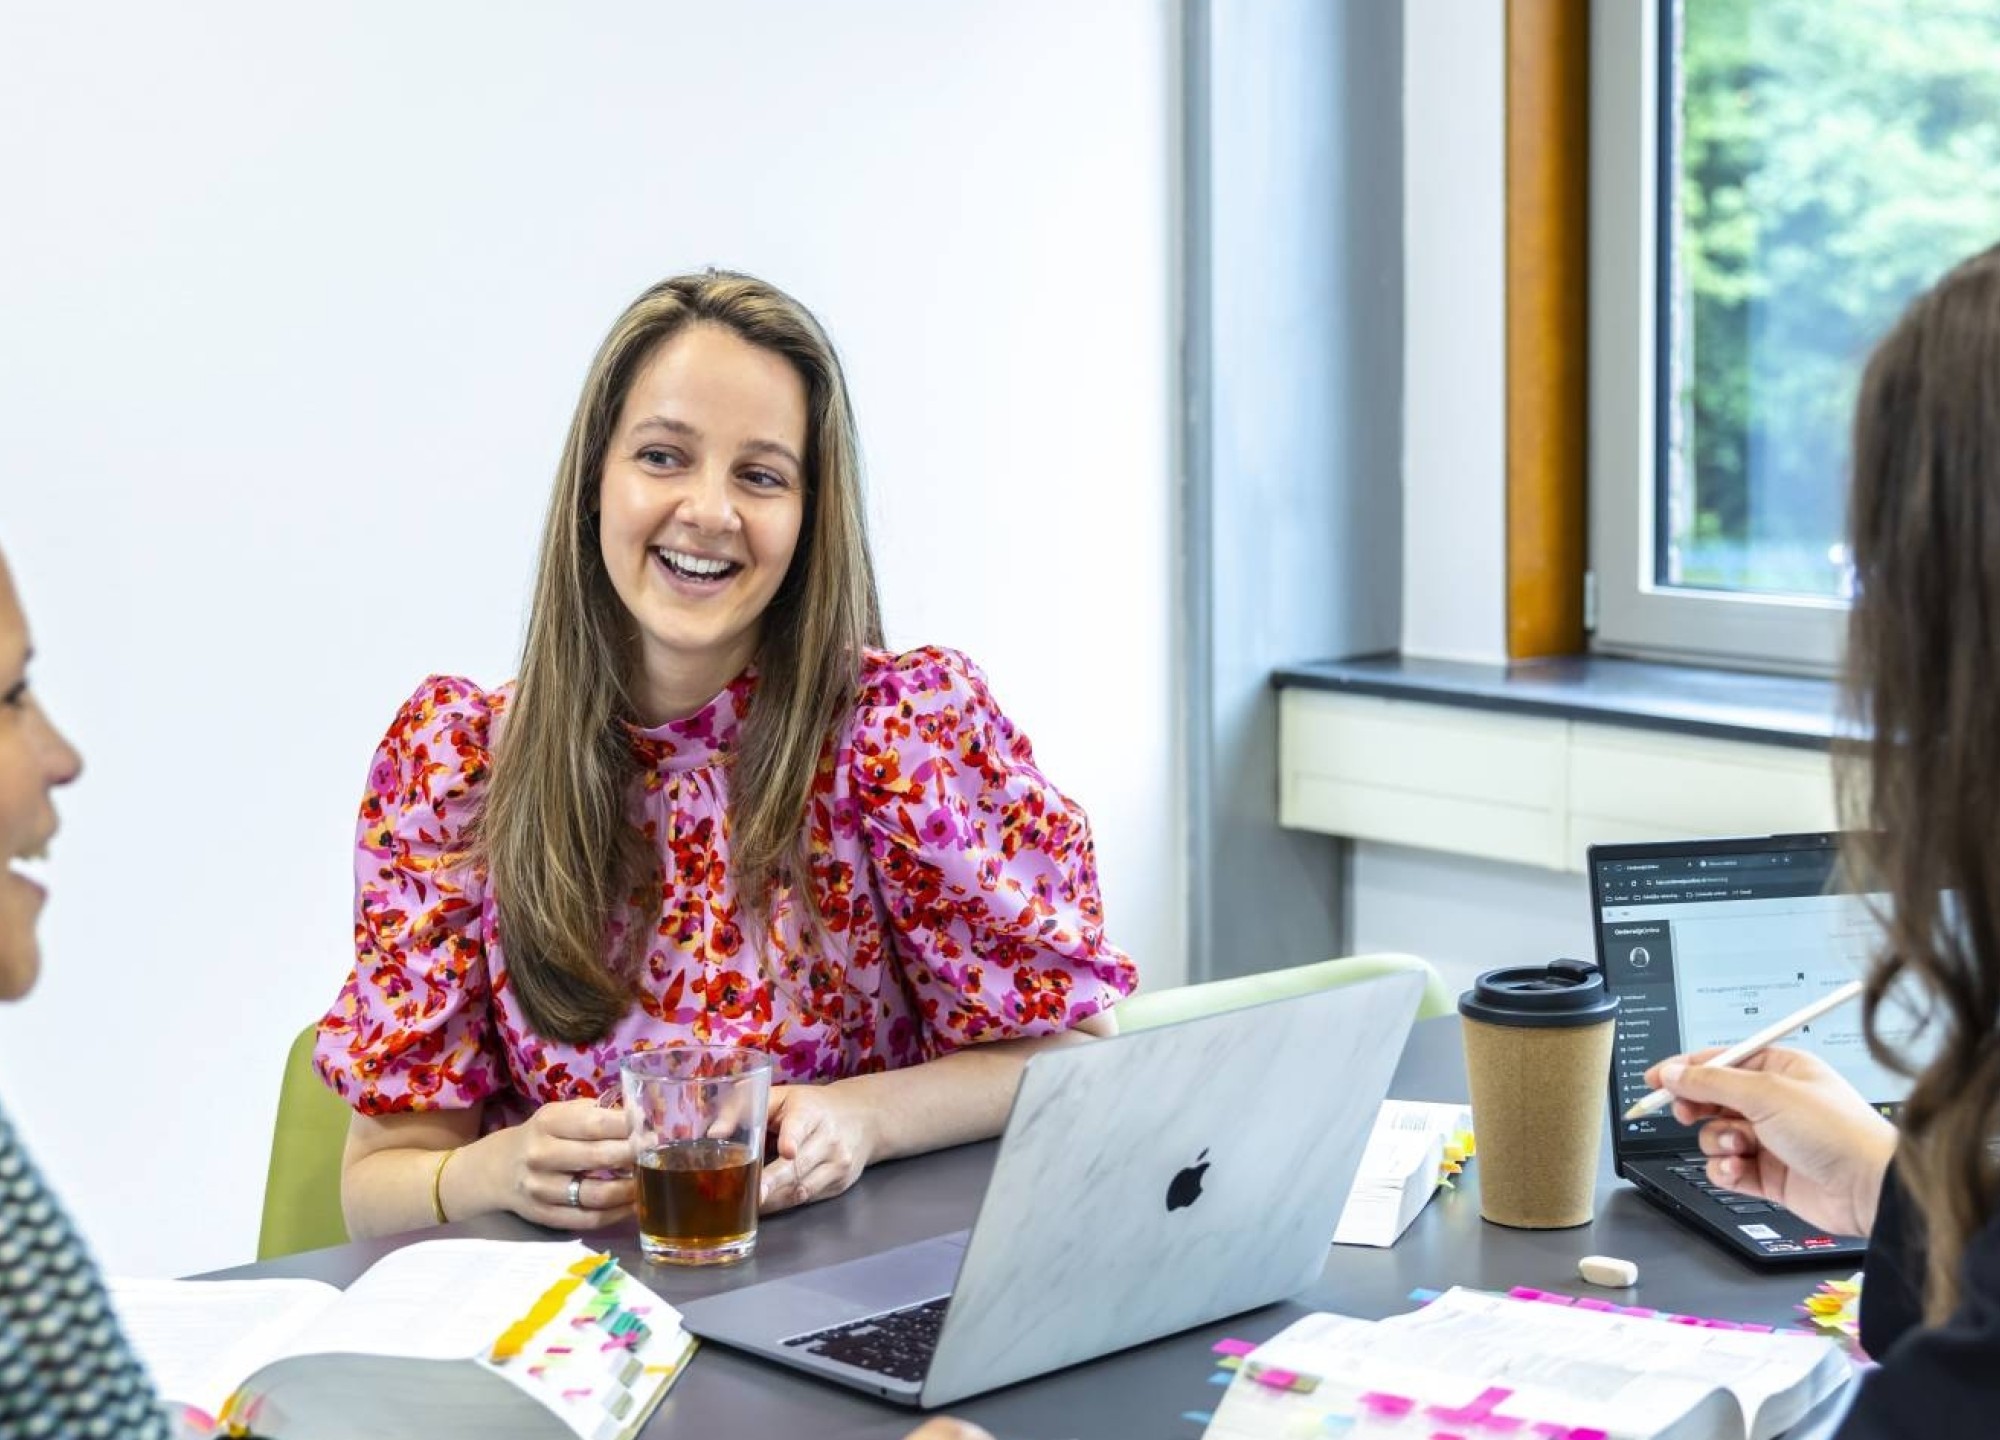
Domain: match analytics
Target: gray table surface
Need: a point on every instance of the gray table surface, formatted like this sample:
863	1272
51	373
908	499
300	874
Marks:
1151	1391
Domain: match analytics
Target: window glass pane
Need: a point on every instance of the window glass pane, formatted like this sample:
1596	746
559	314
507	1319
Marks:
1825	162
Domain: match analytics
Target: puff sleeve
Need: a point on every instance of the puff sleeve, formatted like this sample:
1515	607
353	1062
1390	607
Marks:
987	871
412	1028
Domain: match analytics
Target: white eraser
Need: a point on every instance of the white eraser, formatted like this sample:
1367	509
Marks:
1608	1271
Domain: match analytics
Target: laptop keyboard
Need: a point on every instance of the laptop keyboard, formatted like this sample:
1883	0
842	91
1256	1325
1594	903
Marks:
896	1343
1693	1172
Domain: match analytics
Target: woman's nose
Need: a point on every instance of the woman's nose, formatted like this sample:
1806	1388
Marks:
61	762
707	504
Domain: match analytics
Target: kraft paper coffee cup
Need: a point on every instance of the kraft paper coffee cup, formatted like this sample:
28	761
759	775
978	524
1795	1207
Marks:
1538	1057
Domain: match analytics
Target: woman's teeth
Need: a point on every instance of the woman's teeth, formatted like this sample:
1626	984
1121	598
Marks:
696	567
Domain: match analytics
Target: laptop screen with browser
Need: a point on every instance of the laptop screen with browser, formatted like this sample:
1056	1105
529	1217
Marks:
1705	942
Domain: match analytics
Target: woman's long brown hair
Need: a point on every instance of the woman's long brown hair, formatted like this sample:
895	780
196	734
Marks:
1921	778
554	833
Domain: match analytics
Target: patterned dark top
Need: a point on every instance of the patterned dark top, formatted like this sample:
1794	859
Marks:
65	1367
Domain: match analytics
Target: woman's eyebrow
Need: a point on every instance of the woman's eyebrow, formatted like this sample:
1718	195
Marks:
773	447
662	422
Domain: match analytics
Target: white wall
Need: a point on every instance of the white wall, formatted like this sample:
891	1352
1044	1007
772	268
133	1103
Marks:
1464	915
294	304
1454	330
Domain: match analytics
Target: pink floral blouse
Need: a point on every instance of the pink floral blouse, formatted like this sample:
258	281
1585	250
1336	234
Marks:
958	889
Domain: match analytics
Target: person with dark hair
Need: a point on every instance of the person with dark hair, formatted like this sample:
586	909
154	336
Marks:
713	809
65	1366
1920	790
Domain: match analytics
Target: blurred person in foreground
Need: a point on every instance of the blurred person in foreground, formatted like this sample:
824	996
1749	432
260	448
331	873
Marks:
1920	787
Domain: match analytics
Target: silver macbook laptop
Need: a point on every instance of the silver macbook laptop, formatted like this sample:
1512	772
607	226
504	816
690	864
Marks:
1144	1184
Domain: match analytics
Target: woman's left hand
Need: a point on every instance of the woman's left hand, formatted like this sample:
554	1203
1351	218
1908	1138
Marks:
825	1138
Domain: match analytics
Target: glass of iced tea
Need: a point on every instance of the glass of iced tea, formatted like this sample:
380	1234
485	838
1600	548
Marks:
697	1119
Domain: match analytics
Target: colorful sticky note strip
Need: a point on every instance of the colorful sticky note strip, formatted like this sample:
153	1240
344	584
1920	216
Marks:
1586	1302
1835	1308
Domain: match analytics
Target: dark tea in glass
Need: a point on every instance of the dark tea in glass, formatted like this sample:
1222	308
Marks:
696	1115
698	1200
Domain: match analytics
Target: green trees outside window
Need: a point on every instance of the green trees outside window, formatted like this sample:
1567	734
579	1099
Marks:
1828	159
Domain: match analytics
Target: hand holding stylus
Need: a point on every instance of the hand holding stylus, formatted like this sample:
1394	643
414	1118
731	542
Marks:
1743	1049
1784	1126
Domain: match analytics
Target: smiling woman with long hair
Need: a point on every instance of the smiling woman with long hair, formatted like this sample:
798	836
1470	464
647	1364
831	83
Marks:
1921	790
712	808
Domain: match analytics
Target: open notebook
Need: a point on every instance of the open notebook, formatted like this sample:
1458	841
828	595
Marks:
1474	1363
440	1339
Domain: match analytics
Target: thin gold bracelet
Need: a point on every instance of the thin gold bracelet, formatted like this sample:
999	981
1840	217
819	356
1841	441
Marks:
437	1186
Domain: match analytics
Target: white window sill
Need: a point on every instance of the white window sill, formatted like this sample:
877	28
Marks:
1534	763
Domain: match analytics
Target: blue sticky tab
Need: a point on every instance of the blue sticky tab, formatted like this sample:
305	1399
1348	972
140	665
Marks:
1198	1417
1222	1377
1424	1297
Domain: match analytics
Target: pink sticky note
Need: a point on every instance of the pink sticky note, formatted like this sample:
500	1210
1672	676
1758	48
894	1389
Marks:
1276	1379
1232	1347
1387	1407
1474	1410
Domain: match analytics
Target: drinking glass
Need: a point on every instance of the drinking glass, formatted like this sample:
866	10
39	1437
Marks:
696	1114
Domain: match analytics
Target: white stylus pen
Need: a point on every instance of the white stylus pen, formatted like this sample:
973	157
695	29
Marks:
1743	1049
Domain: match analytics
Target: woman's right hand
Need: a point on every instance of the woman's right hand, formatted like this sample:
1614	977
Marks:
1784	1126
528	1168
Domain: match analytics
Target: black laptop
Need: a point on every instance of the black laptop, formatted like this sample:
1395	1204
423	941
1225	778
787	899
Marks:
1706	942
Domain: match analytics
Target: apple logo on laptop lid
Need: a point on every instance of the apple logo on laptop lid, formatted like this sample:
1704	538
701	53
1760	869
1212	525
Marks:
1185	1188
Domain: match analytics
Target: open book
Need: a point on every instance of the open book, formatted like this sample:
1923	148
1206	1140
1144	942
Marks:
1413	1146
440	1339
1470	1362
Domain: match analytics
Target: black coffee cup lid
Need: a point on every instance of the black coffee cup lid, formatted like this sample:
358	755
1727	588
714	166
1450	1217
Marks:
1554	996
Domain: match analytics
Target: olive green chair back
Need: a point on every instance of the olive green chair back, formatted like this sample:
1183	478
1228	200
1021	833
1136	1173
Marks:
302	1187
1152	1008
